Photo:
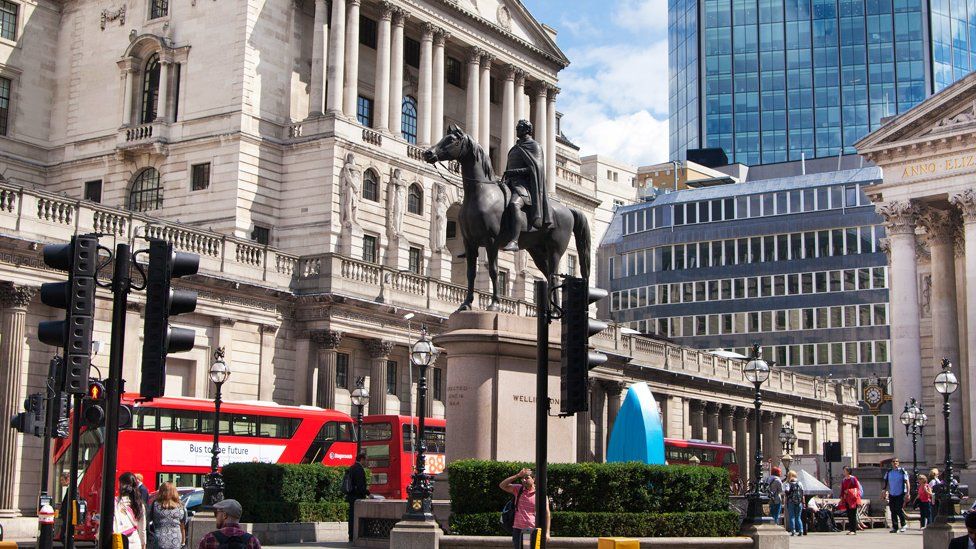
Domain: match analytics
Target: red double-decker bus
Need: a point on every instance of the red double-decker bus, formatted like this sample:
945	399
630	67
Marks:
170	439
390	455
679	452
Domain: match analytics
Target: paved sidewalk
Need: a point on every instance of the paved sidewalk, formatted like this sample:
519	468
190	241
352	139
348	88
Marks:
877	538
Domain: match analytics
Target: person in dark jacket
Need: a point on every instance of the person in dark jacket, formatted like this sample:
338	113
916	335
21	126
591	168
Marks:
360	490
143	491
969	540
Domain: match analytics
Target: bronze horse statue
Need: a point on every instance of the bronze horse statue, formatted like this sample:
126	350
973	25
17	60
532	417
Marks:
482	218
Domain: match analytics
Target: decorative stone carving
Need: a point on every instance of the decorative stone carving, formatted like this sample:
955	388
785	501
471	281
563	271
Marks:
112	15
504	17
967	116
884	245
398	201
899	216
438	230
350	178
379	348
939	225
474	54
959	242
925	295
966	202
922	251
12	295
326	339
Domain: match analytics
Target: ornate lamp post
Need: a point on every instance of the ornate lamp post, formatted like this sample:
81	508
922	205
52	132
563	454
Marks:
213	485
419	507
360	398
787	437
946	384
757	372
914	420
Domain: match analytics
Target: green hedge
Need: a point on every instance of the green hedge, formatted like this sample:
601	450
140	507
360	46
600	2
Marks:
644	525
596	487
277	492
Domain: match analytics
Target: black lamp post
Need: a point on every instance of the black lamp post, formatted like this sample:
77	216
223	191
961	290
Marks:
360	398
787	437
946	384
213	485
757	372
419	505
914	420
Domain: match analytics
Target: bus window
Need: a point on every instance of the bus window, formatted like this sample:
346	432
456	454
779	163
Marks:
89	445
729	458
332	431
145	419
179	421
278	427
377	456
434	439
181	480
246	426
377	431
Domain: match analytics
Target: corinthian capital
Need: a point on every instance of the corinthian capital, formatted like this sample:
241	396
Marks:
326	339
428	30
386	10
939	225
379	348
12	295
966	202
474	55
899	216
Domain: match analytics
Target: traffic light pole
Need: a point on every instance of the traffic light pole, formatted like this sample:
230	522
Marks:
542	408
69	531
121	283
52	393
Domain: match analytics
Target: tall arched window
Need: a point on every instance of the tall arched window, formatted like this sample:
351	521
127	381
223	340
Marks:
146	192
415	200
408	119
371	186
150	89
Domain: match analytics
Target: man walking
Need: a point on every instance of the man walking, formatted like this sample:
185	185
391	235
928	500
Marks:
354	487
894	491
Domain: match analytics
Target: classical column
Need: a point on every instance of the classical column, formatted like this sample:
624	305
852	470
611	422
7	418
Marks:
424	86
437	88
128	69
550	143
906	361
162	110
598	401
712	409
966	202
484	122
13	339
350	84
939	229
959	249
396	73
697	410
379	353
541	135
508	112
381	99
767	438
741	417
612	390
320	52
726	418
774	442
337	57
521	100
472	103
584	436
327	341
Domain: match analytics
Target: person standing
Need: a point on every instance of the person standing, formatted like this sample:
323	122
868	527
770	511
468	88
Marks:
775	494
895	488
924	501
525	510
229	532
969	540
355	488
143	491
130	514
167	519
850	499
934	482
794	504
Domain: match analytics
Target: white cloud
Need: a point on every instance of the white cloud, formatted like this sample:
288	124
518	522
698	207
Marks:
642	15
635	138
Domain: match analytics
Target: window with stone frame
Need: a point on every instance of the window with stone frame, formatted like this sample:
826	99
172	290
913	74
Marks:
391	377
452	230
5	89
371	186
200	176
9	12
571	264
342	370
454	71
261	235
364	111
367	32
436	383
503	283
150	90
158	8
416	259
93	190
411	52
370	248
146	191
415	200
408	119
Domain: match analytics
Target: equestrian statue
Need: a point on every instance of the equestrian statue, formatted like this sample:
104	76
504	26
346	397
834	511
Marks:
513	213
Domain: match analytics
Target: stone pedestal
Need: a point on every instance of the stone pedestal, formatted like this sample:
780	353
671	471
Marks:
397	253
766	536
440	265
491	358
351	242
410	534
938	535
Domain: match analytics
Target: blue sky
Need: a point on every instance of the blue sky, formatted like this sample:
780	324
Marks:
614	96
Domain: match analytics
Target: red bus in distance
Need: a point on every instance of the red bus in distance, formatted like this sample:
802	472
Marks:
679	452
170	439
390	457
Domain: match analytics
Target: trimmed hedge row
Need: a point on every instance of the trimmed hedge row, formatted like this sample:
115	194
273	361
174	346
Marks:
596	487
645	525
278	492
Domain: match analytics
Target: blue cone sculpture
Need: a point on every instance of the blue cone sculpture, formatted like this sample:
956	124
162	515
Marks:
637	432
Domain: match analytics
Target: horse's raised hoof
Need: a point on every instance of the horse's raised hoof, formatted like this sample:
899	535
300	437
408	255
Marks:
462	255
466	306
492	307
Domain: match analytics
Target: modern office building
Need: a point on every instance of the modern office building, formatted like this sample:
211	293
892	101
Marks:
773	80
795	264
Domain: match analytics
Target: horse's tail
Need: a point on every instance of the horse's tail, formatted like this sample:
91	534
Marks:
581	230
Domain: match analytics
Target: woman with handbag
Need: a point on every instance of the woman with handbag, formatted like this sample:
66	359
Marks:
850	499
130	515
524	493
168	518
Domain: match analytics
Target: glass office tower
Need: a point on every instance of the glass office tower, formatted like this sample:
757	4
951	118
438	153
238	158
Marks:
771	80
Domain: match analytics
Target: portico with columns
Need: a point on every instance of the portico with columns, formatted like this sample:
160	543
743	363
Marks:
928	201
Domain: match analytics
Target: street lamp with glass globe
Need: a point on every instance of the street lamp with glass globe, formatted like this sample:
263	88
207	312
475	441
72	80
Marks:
914	420
360	398
946	384
419	506
757	372
787	437
213	485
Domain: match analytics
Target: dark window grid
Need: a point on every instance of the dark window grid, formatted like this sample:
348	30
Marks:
370	251
159	8
411	52
415	256
371	187
93	190
364	111
150	90
453	71
200	176
8	20
367	32
436	383
342	370
391	377
415	200
408	120
4	104
146	192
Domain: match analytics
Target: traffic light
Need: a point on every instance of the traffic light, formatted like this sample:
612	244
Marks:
31	421
77	297
93	407
61	430
159	339
577	359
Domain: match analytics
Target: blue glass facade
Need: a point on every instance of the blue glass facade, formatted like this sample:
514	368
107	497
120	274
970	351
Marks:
779	79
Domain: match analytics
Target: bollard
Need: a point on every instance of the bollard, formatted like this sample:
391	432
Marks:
45	520
618	543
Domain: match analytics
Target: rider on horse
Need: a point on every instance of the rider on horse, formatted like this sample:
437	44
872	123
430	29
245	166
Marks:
525	175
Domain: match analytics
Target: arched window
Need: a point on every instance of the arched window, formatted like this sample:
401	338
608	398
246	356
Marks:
415	200
146	192
408	119
150	89
371	186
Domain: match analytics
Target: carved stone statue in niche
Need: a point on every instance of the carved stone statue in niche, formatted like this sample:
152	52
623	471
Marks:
925	295
350	179
398	200
438	232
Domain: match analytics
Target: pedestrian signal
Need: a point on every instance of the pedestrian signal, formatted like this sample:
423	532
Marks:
577	359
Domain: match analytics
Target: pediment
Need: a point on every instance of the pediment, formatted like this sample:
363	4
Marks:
511	17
